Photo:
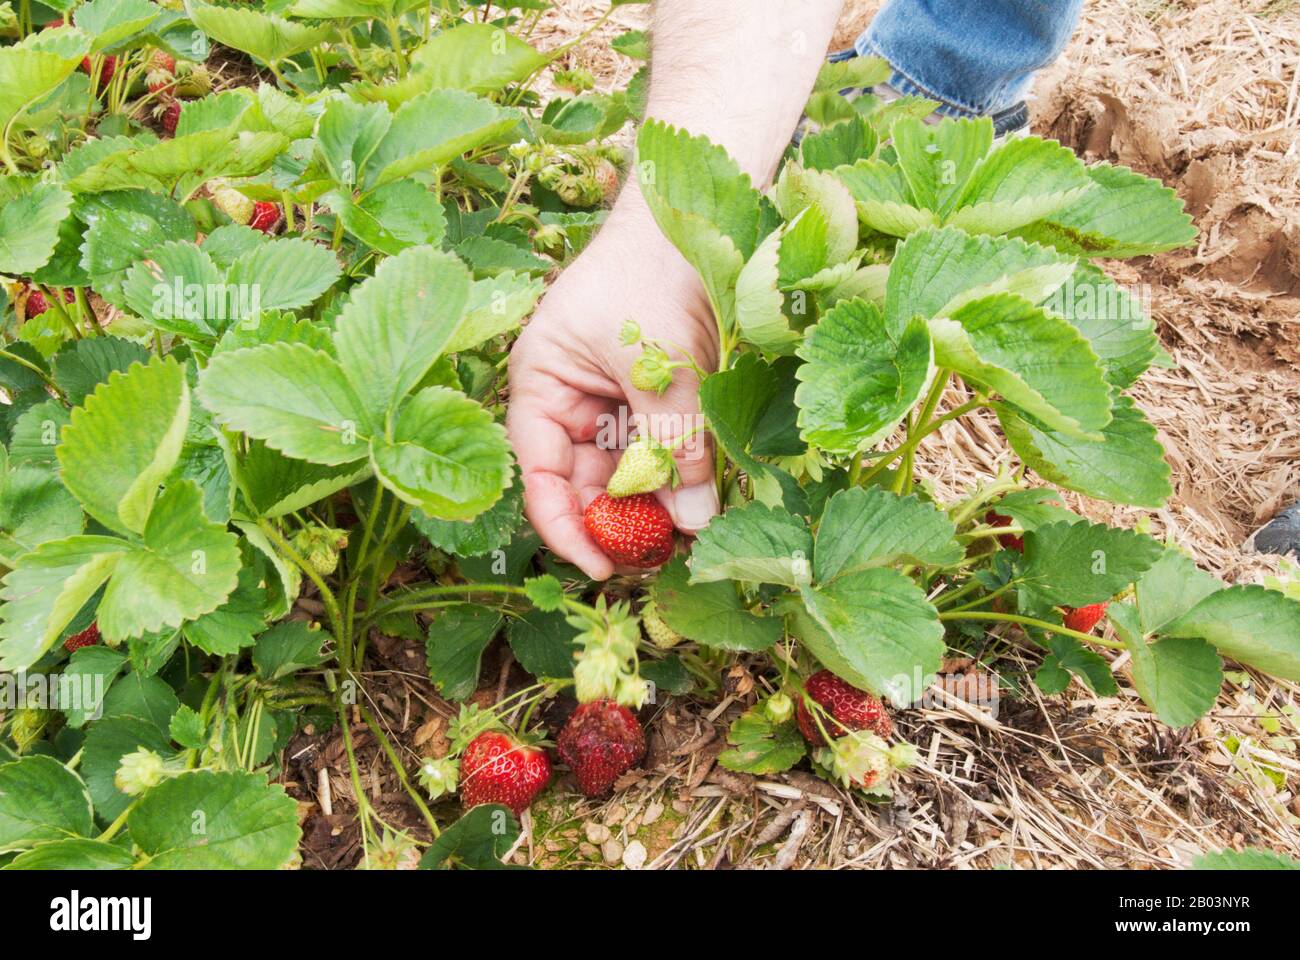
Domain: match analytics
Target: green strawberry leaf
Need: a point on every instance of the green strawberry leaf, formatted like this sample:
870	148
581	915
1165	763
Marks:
91	670
496	305
1068	657
797	189
35	66
1114	323
446	455
738	403
396	324
1077	564
1177	677
874	629
295	398
72	853
185	567
1023	180
202	820
838	145
283	274
393	217
1126	215
274	485
1034	508
433	129
489	531
759	306
107	742
1247	859
1126	466
753	543
882	198
347	134
482	58
29	226
455	645
760	747
863	528
862	375
935	272
477	841
46	589
263	35
123	442
1037	361
41	800
1250	624
711	614
937	161
1170	588
110	22
287	648
543	644
35	507
179	290
234	624
83	365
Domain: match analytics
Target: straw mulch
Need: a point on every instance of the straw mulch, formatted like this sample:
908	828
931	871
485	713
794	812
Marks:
1203	95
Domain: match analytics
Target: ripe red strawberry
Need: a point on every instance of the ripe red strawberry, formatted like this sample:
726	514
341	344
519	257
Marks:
86	638
850	708
1009	540
37	304
633	531
495	768
171	116
1084	619
600	743
106	71
266	216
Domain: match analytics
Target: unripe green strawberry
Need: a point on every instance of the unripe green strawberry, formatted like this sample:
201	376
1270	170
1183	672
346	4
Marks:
26	724
651	371
646	465
661	635
231	202
778	707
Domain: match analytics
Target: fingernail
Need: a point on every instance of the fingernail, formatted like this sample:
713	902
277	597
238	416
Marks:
695	506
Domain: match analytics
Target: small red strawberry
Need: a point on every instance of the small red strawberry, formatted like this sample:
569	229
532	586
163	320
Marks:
105	72
600	743
171	116
86	638
495	768
1009	540
266	216
633	531
162	71
37	304
1084	619
849	709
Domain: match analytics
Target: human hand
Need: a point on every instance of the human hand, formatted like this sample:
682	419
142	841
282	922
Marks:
570	397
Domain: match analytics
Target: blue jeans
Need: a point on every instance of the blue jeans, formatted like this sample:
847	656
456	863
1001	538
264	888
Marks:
973	56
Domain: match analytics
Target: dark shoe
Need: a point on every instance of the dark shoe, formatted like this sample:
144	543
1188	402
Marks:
1281	535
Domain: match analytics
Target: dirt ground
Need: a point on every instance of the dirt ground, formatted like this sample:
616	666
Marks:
1205	97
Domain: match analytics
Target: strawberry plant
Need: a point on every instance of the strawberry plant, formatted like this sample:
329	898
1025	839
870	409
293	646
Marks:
262	266
253	367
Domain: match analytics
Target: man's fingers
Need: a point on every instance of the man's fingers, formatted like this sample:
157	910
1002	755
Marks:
555	469
555	511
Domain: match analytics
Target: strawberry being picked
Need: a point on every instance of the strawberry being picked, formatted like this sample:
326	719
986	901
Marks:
497	768
86	638
1084	619
849	709
633	531
600	743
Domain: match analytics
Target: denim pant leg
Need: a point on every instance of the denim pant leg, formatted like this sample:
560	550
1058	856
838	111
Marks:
974	56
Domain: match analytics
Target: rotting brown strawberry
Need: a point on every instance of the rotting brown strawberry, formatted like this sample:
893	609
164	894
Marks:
86	638
1009	540
600	742
849	709
1084	619
266	216
633	531
496	768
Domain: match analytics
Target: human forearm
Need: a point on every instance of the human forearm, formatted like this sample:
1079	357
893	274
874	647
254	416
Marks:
738	72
